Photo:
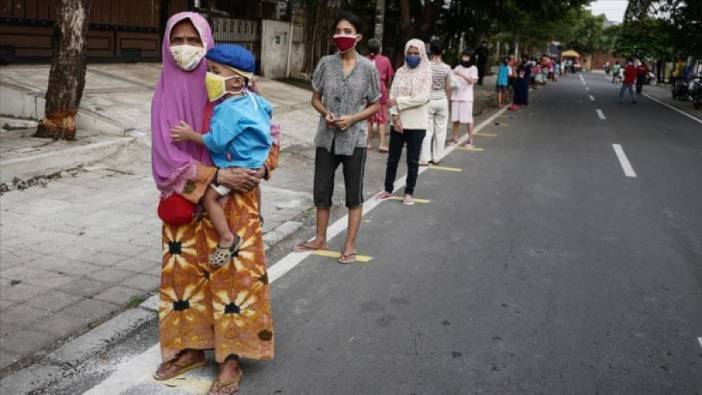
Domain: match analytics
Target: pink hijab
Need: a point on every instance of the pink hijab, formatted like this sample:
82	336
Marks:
180	96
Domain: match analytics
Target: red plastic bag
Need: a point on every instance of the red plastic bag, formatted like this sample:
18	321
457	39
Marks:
176	210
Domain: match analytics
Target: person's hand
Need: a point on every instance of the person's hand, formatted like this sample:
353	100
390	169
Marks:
238	179
397	124
344	121
182	132
392	102
330	119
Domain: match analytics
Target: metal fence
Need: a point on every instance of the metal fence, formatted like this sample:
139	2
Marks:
246	33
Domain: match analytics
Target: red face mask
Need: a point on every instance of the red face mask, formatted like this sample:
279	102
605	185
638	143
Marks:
344	43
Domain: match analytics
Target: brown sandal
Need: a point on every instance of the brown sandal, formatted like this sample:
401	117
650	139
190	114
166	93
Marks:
180	367
346	259
227	388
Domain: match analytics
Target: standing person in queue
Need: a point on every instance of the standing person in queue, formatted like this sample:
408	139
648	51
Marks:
346	92
466	75
196	300
435	139
521	85
503	75
409	101
386	72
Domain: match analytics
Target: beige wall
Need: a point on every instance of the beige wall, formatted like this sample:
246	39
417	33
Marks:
274	49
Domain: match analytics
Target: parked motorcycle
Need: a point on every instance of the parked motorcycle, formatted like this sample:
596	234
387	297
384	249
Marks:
695	91
679	89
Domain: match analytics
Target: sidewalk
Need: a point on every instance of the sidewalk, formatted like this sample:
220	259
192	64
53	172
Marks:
84	247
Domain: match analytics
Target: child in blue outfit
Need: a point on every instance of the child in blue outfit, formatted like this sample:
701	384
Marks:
239	134
503	75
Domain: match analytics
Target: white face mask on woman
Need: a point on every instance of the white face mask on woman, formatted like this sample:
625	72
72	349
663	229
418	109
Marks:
187	57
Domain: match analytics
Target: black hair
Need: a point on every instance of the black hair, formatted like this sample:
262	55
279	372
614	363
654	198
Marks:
505	61
435	47
374	46
468	52
351	18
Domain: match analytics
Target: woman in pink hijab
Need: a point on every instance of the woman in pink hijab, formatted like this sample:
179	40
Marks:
226	309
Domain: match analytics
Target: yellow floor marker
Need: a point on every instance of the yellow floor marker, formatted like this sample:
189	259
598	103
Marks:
474	149
420	201
444	168
485	134
337	255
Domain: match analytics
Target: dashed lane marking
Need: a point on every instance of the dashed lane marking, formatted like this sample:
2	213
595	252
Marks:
601	114
485	134
624	161
592	98
337	255
420	201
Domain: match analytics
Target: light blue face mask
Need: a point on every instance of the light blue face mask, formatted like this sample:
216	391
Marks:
412	61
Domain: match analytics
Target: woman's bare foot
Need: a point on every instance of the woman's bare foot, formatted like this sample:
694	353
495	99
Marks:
385	195
313	245
423	163
408	200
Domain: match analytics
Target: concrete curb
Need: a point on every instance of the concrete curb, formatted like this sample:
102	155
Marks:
18	101
54	161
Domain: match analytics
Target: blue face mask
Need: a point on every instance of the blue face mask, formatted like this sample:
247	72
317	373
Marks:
412	61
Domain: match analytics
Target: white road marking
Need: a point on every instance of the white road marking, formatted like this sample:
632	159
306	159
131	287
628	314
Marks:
699	339
581	77
601	114
592	98
694	118
587	89
673	108
584	83
140	368
624	161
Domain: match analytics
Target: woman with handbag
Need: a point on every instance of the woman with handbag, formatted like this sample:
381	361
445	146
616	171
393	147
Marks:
227	309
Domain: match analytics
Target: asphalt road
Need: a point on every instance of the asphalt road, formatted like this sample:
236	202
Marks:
539	268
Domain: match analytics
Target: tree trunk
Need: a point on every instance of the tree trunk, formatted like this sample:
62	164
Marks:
67	75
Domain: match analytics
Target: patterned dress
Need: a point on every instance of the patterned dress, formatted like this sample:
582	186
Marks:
225	309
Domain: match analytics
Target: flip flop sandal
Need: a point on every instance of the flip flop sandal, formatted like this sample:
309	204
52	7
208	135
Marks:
347	258
223	255
305	247
181	369
408	202
230	387
383	150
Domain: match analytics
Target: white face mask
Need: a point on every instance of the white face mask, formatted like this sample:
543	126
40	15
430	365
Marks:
187	57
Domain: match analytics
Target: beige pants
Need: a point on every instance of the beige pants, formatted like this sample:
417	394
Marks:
435	140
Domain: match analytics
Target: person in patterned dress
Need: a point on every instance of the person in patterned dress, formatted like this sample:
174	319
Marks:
226	309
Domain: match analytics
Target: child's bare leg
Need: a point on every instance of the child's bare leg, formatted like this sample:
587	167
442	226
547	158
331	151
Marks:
381	133
218	218
470	133
456	130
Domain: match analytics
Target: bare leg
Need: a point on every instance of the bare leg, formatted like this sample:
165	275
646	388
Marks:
320	239
355	215
381	134
470	133
218	218
456	130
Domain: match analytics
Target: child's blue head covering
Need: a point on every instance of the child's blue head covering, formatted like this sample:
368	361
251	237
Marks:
235	57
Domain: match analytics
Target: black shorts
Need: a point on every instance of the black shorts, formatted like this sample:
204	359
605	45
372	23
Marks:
325	165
